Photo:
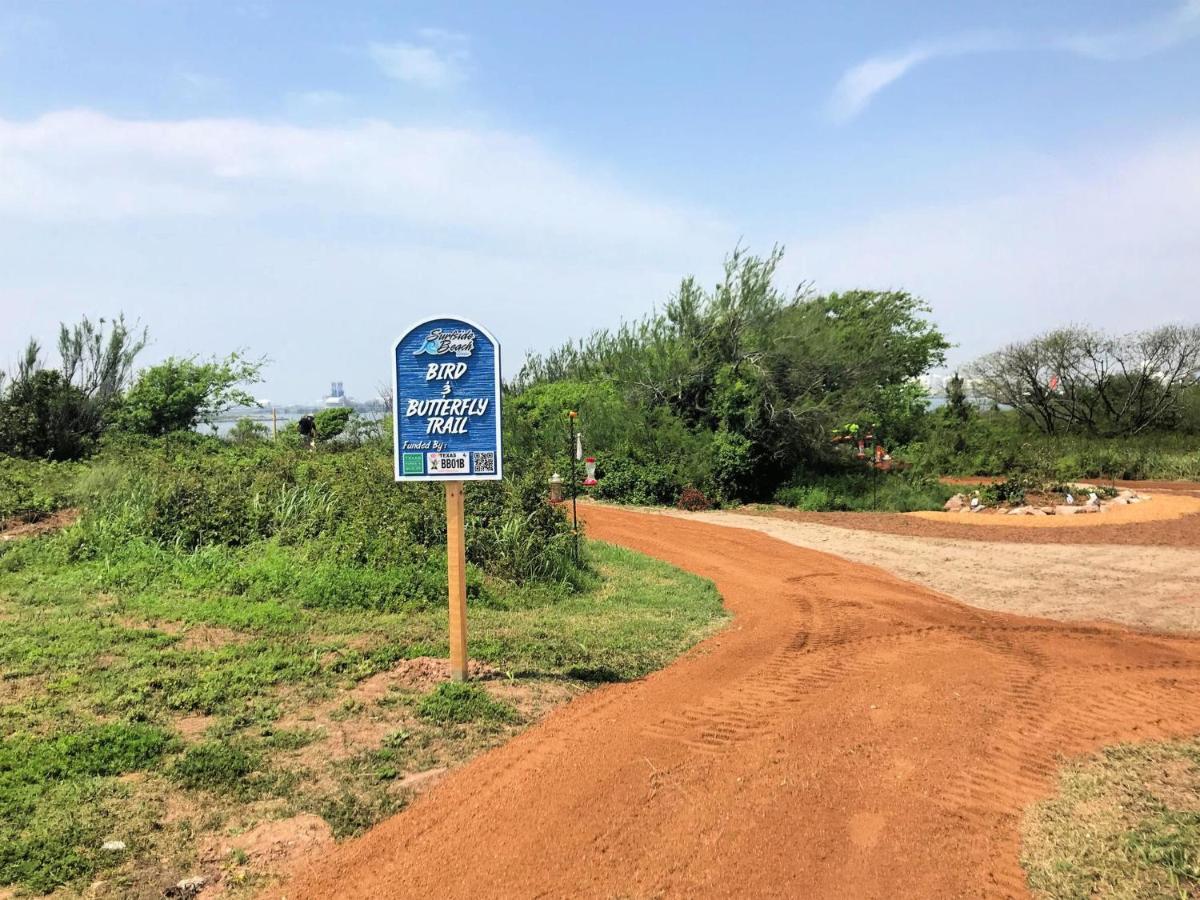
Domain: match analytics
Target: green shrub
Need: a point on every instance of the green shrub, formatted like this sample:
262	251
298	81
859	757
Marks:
31	490
332	530
861	491
332	422
623	479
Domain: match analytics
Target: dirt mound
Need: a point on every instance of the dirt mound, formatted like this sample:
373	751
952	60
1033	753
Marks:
849	734
421	673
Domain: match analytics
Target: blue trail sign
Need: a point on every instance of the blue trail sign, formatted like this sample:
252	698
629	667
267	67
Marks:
446	375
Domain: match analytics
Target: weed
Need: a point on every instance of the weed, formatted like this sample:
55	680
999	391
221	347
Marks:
457	703
215	765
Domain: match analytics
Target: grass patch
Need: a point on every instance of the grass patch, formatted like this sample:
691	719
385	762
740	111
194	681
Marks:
56	799
215	765
455	703
1124	824
102	656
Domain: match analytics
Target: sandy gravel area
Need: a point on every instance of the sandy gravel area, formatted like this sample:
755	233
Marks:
1145	586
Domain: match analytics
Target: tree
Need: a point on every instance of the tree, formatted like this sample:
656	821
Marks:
331	422
178	394
761	371
246	431
100	365
1078	379
958	408
43	416
60	414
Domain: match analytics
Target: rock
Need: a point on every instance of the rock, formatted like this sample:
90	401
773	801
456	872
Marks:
1119	501
955	503
1019	511
113	846
188	887
1066	510
1088	508
1048	510
1038	512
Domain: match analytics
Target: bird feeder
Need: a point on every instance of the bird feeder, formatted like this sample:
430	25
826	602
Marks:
556	488
590	466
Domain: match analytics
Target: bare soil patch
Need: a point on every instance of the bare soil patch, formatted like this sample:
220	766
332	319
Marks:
56	521
848	735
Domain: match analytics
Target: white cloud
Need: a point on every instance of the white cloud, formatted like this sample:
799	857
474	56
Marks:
84	165
1142	39
439	61
860	83
1110	242
221	233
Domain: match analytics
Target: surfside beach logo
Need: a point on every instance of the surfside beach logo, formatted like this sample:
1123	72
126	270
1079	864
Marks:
459	341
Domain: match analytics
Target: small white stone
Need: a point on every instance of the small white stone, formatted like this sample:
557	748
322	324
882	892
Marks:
113	845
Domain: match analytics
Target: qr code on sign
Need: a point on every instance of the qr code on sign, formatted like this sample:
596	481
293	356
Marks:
484	463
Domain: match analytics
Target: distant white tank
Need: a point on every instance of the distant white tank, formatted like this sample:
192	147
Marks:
337	394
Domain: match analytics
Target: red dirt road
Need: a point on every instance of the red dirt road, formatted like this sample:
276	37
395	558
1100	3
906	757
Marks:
848	735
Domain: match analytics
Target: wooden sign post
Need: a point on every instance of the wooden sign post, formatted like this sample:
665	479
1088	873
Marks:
456	563
446	427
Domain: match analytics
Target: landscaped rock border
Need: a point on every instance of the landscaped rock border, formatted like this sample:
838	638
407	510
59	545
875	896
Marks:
962	503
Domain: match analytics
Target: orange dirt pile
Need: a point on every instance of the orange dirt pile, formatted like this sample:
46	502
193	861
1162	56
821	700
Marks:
848	735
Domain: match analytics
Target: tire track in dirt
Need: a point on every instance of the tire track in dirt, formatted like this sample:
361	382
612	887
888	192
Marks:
848	734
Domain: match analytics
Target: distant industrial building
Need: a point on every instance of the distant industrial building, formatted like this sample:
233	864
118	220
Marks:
337	395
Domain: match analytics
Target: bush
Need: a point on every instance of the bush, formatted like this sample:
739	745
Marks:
44	416
178	394
693	500
332	422
349	530
623	479
33	490
1011	491
861	491
247	431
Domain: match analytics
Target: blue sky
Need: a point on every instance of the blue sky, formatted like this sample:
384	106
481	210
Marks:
304	180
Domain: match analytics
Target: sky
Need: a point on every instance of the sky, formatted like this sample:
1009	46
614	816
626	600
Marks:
303	180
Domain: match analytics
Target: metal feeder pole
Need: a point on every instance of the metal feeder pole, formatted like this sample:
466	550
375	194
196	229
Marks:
574	492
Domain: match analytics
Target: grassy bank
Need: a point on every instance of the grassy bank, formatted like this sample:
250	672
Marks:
239	638
1124	824
147	704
